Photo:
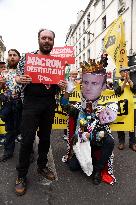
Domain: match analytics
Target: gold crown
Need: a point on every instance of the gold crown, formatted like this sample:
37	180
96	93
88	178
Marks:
92	66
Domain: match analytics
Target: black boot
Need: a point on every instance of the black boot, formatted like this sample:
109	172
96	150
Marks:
97	177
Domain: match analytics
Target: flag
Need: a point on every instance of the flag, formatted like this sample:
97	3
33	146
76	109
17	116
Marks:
67	72
115	44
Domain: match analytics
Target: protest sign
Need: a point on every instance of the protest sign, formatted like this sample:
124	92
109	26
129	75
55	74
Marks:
44	69
66	52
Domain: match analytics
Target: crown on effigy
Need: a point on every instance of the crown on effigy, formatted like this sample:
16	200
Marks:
92	66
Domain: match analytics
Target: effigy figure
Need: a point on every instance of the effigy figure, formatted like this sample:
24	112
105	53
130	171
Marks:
89	123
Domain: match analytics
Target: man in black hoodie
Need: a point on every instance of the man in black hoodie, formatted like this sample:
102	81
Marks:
38	111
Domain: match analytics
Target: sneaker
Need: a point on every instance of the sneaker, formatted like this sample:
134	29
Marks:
47	173
20	186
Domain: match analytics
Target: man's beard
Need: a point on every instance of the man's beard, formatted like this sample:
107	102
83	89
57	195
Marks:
13	65
44	51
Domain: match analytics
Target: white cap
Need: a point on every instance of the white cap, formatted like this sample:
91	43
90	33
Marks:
73	70
124	69
109	80
113	106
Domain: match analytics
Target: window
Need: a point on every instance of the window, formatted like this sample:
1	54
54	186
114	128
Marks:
121	3
79	32
83	42
103	45
73	40
76	64
76	51
103	22
79	47
103	4
88	19
76	37
88	38
79	61
88	54
83	57
83	26
121	6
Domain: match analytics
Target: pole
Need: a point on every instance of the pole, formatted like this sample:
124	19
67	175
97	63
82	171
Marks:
131	46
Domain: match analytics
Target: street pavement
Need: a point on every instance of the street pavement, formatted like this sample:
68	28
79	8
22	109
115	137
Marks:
70	188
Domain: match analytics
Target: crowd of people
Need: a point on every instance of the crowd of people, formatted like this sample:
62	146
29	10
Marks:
28	109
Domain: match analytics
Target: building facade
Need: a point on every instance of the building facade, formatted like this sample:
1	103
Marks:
87	35
2	49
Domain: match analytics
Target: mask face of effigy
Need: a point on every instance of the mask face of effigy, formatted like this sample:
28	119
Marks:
92	86
93	80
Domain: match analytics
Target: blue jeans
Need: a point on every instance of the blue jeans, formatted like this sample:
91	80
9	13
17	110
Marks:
11	114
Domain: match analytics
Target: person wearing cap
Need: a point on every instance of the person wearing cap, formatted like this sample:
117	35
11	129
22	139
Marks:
119	87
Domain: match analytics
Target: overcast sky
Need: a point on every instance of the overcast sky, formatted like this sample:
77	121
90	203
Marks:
20	20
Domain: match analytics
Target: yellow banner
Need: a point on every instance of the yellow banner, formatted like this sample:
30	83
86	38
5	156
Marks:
76	96
60	119
134	97
125	118
2	127
115	44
